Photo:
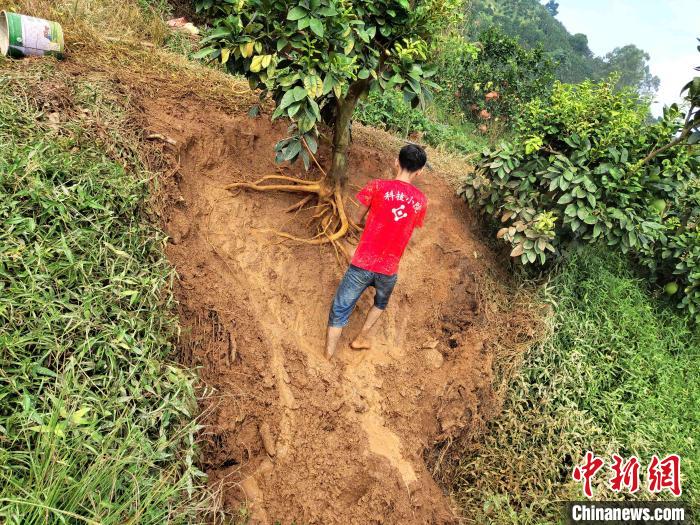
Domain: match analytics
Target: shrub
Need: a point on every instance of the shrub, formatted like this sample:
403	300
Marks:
498	79
389	111
578	172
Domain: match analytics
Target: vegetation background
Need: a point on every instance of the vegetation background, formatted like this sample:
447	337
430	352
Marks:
97	424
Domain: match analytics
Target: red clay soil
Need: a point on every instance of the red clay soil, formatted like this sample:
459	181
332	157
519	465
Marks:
288	434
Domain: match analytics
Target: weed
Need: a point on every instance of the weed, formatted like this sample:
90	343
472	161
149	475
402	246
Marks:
96	426
620	373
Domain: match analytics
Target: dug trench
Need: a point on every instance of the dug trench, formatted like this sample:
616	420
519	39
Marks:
287	434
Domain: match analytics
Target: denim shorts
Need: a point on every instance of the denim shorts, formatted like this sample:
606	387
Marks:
356	281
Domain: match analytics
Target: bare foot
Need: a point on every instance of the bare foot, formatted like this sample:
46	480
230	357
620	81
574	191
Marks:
361	343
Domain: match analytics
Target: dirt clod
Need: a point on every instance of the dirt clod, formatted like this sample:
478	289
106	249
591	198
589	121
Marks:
267	439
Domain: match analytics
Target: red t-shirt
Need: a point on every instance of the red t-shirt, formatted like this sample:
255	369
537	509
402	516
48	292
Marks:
395	209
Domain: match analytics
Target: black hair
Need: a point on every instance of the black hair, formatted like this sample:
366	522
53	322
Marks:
412	157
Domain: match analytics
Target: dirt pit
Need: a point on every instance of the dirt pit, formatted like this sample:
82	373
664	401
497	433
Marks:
289	435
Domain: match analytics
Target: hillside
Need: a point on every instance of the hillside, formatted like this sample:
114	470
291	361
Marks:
534	25
285	435
162	346
295	436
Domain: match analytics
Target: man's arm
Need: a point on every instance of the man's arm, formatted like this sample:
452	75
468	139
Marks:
358	217
360	214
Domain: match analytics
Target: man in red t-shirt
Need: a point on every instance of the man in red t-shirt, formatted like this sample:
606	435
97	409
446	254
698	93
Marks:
393	208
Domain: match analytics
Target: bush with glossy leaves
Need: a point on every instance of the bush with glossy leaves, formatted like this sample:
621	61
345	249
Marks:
580	171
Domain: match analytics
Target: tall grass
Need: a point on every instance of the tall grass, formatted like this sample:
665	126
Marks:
620	373
95	423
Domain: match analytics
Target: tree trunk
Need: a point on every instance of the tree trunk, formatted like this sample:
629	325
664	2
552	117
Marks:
341	132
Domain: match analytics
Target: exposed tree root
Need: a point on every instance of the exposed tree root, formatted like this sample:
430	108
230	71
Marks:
331	218
332	221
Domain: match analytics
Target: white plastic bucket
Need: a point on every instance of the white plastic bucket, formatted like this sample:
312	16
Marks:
22	35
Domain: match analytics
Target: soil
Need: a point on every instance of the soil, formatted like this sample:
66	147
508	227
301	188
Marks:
289	435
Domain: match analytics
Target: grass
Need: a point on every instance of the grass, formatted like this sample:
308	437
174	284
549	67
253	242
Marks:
96	425
619	373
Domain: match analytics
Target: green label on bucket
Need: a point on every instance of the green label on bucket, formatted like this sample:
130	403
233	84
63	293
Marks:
14	26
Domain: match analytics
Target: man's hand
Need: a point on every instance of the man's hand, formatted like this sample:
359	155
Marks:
358	218
359	215
349	250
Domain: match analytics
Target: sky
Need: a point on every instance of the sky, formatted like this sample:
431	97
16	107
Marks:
666	29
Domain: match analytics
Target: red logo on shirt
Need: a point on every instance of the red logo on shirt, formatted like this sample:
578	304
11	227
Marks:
395	209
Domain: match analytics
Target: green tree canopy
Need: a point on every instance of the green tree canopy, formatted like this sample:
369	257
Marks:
632	64
533	23
552	7
317	57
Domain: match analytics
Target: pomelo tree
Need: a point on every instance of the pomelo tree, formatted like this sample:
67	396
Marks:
316	58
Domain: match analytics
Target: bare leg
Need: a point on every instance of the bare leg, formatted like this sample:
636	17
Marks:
332	340
363	340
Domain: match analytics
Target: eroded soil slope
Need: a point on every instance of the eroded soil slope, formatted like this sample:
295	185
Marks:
291	435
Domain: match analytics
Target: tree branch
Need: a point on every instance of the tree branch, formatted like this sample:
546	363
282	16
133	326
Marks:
687	129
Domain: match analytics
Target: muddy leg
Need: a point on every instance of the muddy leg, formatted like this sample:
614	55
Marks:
363	340
332	340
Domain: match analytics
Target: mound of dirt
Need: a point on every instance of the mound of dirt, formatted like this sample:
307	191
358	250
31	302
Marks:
290	435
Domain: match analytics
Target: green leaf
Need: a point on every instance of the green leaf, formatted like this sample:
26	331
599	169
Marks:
292	150
217	34
305	158
287	99
315	109
326	11
328	84
203	53
317	27
311	142
297	13
298	93
41	370
294	109
306	124
77	418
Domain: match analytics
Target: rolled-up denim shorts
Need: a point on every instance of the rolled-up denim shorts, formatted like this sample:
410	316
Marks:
355	281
